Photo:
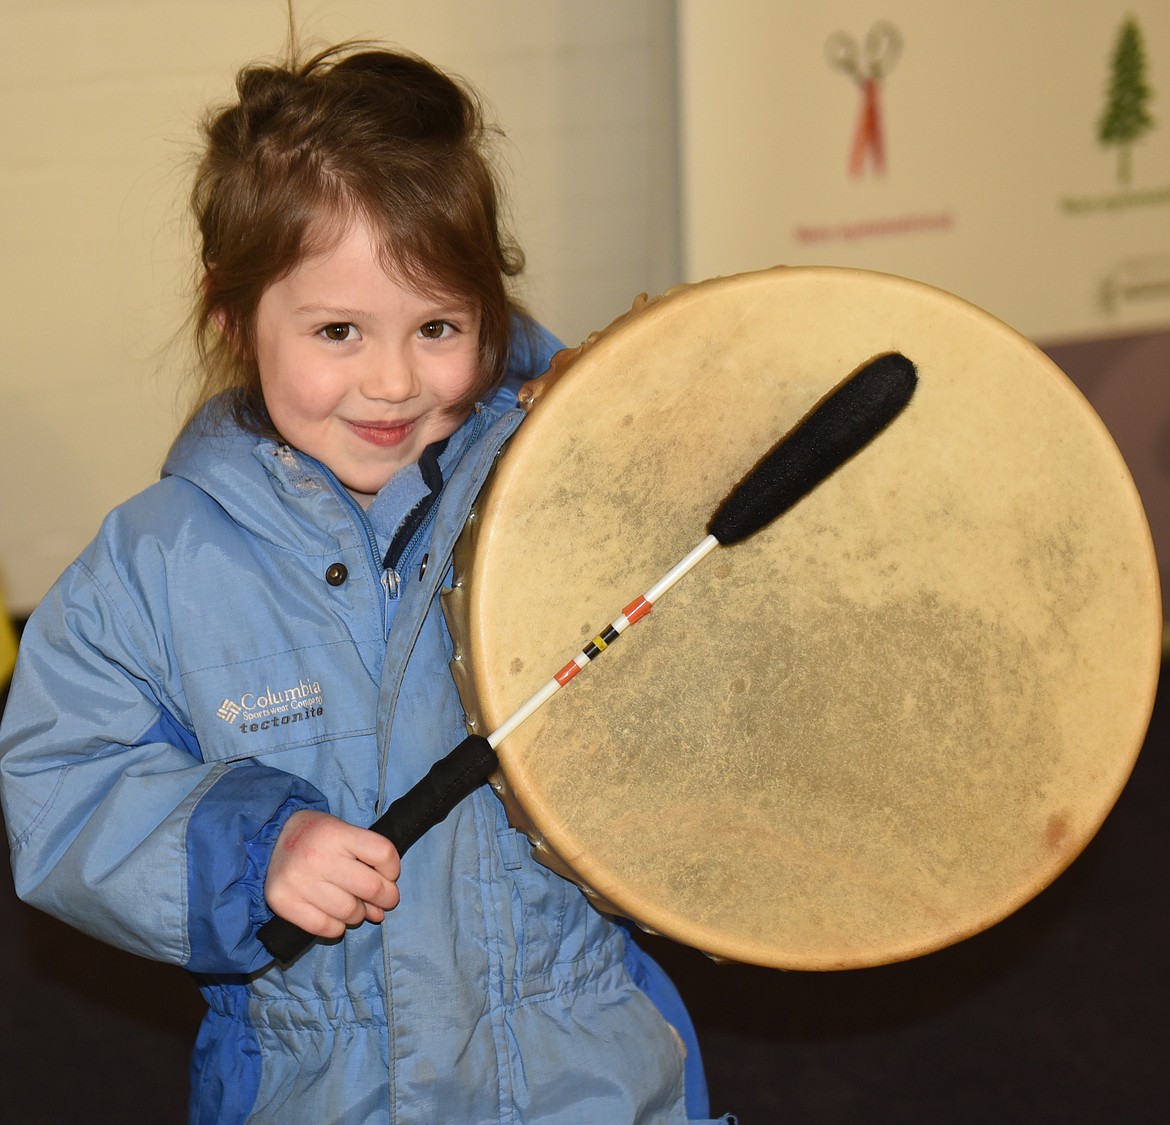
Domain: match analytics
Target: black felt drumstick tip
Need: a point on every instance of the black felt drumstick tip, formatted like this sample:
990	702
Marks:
840	425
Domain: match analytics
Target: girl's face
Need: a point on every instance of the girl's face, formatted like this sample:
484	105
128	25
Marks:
359	371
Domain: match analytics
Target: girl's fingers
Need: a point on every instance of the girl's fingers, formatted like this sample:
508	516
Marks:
326	874
377	852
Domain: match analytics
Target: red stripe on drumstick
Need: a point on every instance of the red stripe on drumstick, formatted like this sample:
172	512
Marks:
636	610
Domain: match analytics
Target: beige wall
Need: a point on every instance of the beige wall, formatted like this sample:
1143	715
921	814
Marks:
993	183
99	99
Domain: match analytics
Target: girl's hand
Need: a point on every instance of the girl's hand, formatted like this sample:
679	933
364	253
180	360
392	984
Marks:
326	874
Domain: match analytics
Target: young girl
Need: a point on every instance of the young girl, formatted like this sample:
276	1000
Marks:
249	662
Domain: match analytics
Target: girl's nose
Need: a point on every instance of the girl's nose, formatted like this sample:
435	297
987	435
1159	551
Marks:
390	376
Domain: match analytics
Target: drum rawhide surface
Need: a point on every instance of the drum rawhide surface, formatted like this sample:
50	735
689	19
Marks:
877	726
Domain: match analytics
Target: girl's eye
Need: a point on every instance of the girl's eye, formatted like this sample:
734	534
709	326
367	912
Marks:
434	329
339	333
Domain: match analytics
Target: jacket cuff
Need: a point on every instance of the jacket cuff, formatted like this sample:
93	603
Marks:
230	838
259	854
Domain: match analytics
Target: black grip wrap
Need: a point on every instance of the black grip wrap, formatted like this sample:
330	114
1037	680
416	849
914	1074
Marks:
407	819
841	424
428	802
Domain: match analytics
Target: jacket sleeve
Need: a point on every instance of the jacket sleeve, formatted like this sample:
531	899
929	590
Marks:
116	825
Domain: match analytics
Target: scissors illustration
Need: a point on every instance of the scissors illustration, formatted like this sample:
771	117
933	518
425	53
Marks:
883	48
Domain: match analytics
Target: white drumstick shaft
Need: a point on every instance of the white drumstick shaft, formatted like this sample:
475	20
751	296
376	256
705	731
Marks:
675	573
635	611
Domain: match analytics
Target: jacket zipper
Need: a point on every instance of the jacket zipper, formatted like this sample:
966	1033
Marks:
426	520
415	523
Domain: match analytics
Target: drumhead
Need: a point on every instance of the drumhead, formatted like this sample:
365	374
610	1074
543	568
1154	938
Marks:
879	725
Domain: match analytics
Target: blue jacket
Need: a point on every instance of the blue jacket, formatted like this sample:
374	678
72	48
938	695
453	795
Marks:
190	682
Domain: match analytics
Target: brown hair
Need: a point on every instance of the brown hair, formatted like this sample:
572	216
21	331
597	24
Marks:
354	132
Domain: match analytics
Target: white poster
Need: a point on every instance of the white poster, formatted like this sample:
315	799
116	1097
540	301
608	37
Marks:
1015	154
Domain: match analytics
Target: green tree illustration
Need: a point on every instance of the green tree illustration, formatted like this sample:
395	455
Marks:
1125	118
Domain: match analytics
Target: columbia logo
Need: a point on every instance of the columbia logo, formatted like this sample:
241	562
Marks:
271	707
230	711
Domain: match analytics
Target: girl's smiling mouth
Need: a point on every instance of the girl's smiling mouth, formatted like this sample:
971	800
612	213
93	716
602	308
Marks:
383	433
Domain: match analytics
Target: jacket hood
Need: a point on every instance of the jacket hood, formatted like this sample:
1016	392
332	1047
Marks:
244	475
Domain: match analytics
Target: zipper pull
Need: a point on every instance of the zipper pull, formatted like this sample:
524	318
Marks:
391	583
